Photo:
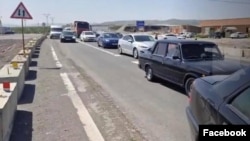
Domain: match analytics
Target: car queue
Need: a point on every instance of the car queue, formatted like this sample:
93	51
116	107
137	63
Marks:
218	89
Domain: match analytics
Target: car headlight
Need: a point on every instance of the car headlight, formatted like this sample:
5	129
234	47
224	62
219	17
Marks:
74	37
143	46
62	36
107	40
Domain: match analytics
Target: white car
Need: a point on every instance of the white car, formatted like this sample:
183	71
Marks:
55	31
132	44
88	36
238	35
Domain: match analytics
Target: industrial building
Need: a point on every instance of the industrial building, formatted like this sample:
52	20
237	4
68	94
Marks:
184	28
227	26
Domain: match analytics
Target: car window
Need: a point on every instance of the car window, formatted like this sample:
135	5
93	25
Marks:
143	38
130	37
89	33
200	51
242	103
110	35
125	37
173	50
161	49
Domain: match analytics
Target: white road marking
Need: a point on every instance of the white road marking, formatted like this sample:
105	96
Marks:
79	84
91	129
102	50
135	62
58	64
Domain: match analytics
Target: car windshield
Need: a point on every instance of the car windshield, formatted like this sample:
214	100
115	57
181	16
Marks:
201	51
57	29
82	25
143	38
89	33
110	35
68	33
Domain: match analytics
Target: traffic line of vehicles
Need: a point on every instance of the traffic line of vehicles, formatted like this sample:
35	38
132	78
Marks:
218	89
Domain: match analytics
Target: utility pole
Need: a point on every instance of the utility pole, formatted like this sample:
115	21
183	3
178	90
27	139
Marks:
52	20
47	19
0	21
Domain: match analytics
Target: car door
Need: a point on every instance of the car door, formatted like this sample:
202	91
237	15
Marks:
157	56
235	109
129	44
81	36
173	67
122	43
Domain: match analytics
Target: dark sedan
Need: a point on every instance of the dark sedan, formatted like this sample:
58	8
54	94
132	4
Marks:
67	36
223	99
108	40
182	61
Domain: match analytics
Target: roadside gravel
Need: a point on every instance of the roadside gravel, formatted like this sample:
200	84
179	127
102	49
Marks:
8	49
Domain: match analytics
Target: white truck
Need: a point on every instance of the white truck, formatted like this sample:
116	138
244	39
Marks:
55	31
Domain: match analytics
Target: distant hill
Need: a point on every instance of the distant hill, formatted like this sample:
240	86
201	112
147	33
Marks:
170	22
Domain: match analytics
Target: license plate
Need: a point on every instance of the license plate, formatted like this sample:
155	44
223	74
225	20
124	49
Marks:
114	44
68	39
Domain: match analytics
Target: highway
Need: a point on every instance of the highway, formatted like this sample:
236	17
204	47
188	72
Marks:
157	110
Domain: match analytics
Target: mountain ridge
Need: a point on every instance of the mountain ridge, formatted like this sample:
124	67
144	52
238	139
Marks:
169	21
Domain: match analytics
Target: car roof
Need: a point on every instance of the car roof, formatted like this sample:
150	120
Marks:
179	41
233	82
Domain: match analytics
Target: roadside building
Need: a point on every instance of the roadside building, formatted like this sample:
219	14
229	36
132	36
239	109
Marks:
228	26
185	28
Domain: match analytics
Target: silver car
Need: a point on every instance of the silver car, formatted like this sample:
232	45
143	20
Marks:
132	44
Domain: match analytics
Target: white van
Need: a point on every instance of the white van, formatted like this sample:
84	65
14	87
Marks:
55	31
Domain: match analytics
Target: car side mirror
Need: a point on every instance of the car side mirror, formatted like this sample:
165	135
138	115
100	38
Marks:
131	41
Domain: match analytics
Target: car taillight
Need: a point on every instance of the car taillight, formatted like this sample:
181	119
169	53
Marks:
190	98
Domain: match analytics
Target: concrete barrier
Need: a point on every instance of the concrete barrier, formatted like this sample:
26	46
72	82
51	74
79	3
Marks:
9	74
26	53
20	59
8	100
8	107
30	47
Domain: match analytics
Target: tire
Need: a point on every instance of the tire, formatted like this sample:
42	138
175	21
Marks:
120	49
135	53
98	44
188	84
149	74
61	41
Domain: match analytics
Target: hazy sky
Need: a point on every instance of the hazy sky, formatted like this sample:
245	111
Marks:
66	11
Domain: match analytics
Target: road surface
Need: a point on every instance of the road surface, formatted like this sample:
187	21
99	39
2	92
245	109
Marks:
82	92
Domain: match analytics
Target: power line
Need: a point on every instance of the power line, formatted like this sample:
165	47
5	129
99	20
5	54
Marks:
232	2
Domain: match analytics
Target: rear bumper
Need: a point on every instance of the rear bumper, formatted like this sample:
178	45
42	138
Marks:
110	44
192	124
68	40
89	39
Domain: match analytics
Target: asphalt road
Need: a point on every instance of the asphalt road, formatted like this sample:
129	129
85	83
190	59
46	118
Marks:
157	110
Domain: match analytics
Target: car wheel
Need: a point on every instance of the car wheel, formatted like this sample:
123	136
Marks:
188	85
119	49
135	53
103	45
61	40
149	73
98	44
